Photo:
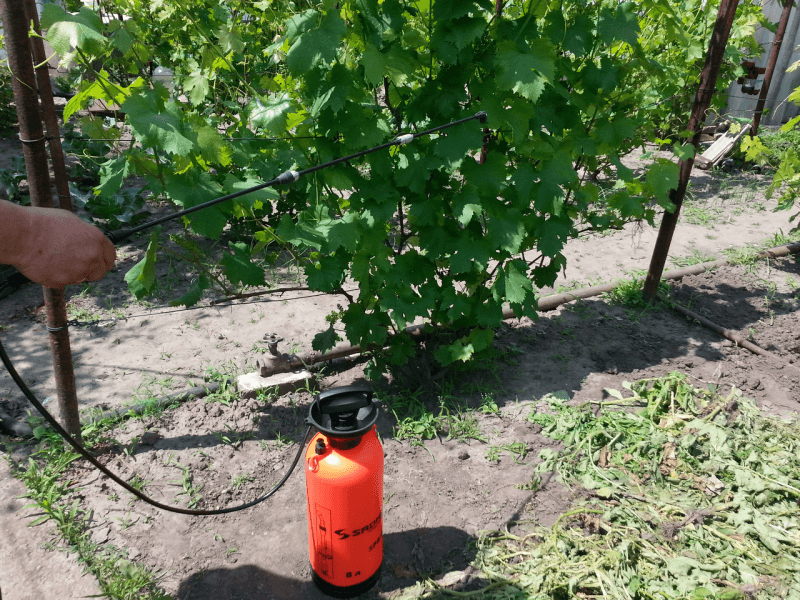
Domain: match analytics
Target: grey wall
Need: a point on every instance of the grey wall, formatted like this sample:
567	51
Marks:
778	111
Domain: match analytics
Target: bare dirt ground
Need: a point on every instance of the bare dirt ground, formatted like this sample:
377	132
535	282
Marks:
436	496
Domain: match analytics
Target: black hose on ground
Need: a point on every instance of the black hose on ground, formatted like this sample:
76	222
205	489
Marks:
85	454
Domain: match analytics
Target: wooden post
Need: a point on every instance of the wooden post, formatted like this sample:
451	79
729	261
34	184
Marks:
702	100
773	59
18	48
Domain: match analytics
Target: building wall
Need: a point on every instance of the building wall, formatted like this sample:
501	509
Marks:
777	110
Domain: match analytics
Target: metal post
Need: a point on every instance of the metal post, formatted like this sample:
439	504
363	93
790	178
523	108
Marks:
18	48
49	109
773	59
702	100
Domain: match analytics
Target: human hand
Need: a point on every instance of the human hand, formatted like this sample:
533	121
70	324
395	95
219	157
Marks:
54	247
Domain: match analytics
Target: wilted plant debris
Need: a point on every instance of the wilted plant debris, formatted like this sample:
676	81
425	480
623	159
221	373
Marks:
693	495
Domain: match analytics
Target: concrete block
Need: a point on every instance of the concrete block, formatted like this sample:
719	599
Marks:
252	383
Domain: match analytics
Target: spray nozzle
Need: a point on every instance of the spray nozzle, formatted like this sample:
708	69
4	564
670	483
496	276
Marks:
482	116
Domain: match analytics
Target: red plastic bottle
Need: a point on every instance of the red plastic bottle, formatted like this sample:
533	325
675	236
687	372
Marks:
344	492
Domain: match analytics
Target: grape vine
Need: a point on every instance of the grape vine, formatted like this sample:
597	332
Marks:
449	229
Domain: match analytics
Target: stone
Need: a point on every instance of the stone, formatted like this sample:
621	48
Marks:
149	438
250	384
452	578
100	536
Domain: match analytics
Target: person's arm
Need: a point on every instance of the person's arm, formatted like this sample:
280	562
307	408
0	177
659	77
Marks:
52	246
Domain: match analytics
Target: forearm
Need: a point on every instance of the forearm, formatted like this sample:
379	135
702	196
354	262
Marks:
52	246
15	232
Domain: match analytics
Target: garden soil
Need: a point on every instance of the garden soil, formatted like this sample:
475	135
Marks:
438	496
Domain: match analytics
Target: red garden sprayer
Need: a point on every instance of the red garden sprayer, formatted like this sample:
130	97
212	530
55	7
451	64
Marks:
344	492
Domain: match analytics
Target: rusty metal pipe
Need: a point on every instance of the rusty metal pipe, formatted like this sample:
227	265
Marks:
773	59
49	111
702	100
18	48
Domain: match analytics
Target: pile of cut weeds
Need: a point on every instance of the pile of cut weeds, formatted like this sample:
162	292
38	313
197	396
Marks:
687	494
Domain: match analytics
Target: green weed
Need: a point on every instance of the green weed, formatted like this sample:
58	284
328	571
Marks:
117	577
241	480
518	451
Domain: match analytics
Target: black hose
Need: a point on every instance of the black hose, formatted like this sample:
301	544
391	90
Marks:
85	454
287	177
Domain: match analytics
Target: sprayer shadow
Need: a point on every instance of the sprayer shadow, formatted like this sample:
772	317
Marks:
408	557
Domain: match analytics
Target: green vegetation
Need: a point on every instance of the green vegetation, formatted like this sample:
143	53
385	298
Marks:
691	496
117	577
428	231
8	113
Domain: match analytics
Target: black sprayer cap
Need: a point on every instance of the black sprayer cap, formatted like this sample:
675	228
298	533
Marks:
343	412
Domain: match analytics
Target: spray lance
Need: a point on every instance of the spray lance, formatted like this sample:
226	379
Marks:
344	461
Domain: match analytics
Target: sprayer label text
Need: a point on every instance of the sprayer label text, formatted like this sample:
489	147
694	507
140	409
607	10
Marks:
343	534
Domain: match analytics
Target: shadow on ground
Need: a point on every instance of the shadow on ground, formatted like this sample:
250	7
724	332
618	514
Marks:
407	556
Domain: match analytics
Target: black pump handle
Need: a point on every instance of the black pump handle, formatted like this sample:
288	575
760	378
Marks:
346	399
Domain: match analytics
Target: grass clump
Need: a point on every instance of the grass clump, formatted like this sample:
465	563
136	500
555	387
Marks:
694	495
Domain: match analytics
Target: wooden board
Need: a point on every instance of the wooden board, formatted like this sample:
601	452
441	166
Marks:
719	149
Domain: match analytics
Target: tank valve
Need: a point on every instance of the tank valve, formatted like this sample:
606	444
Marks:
272	340
275	362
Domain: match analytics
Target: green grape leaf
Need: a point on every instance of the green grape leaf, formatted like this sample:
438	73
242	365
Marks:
194	293
66	31
454	146
375	64
578	38
316	45
112	174
662	176
87	91
364	328
197	86
210	143
622	24
453	9
465	30
191	189
229	39
325	340
466	204
683	151
142	276
300	23
238	267
525	73
155	125
121	38
272	114
524	178
468	254
336	94
327	274
506	232
257	199
553	234
463	349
